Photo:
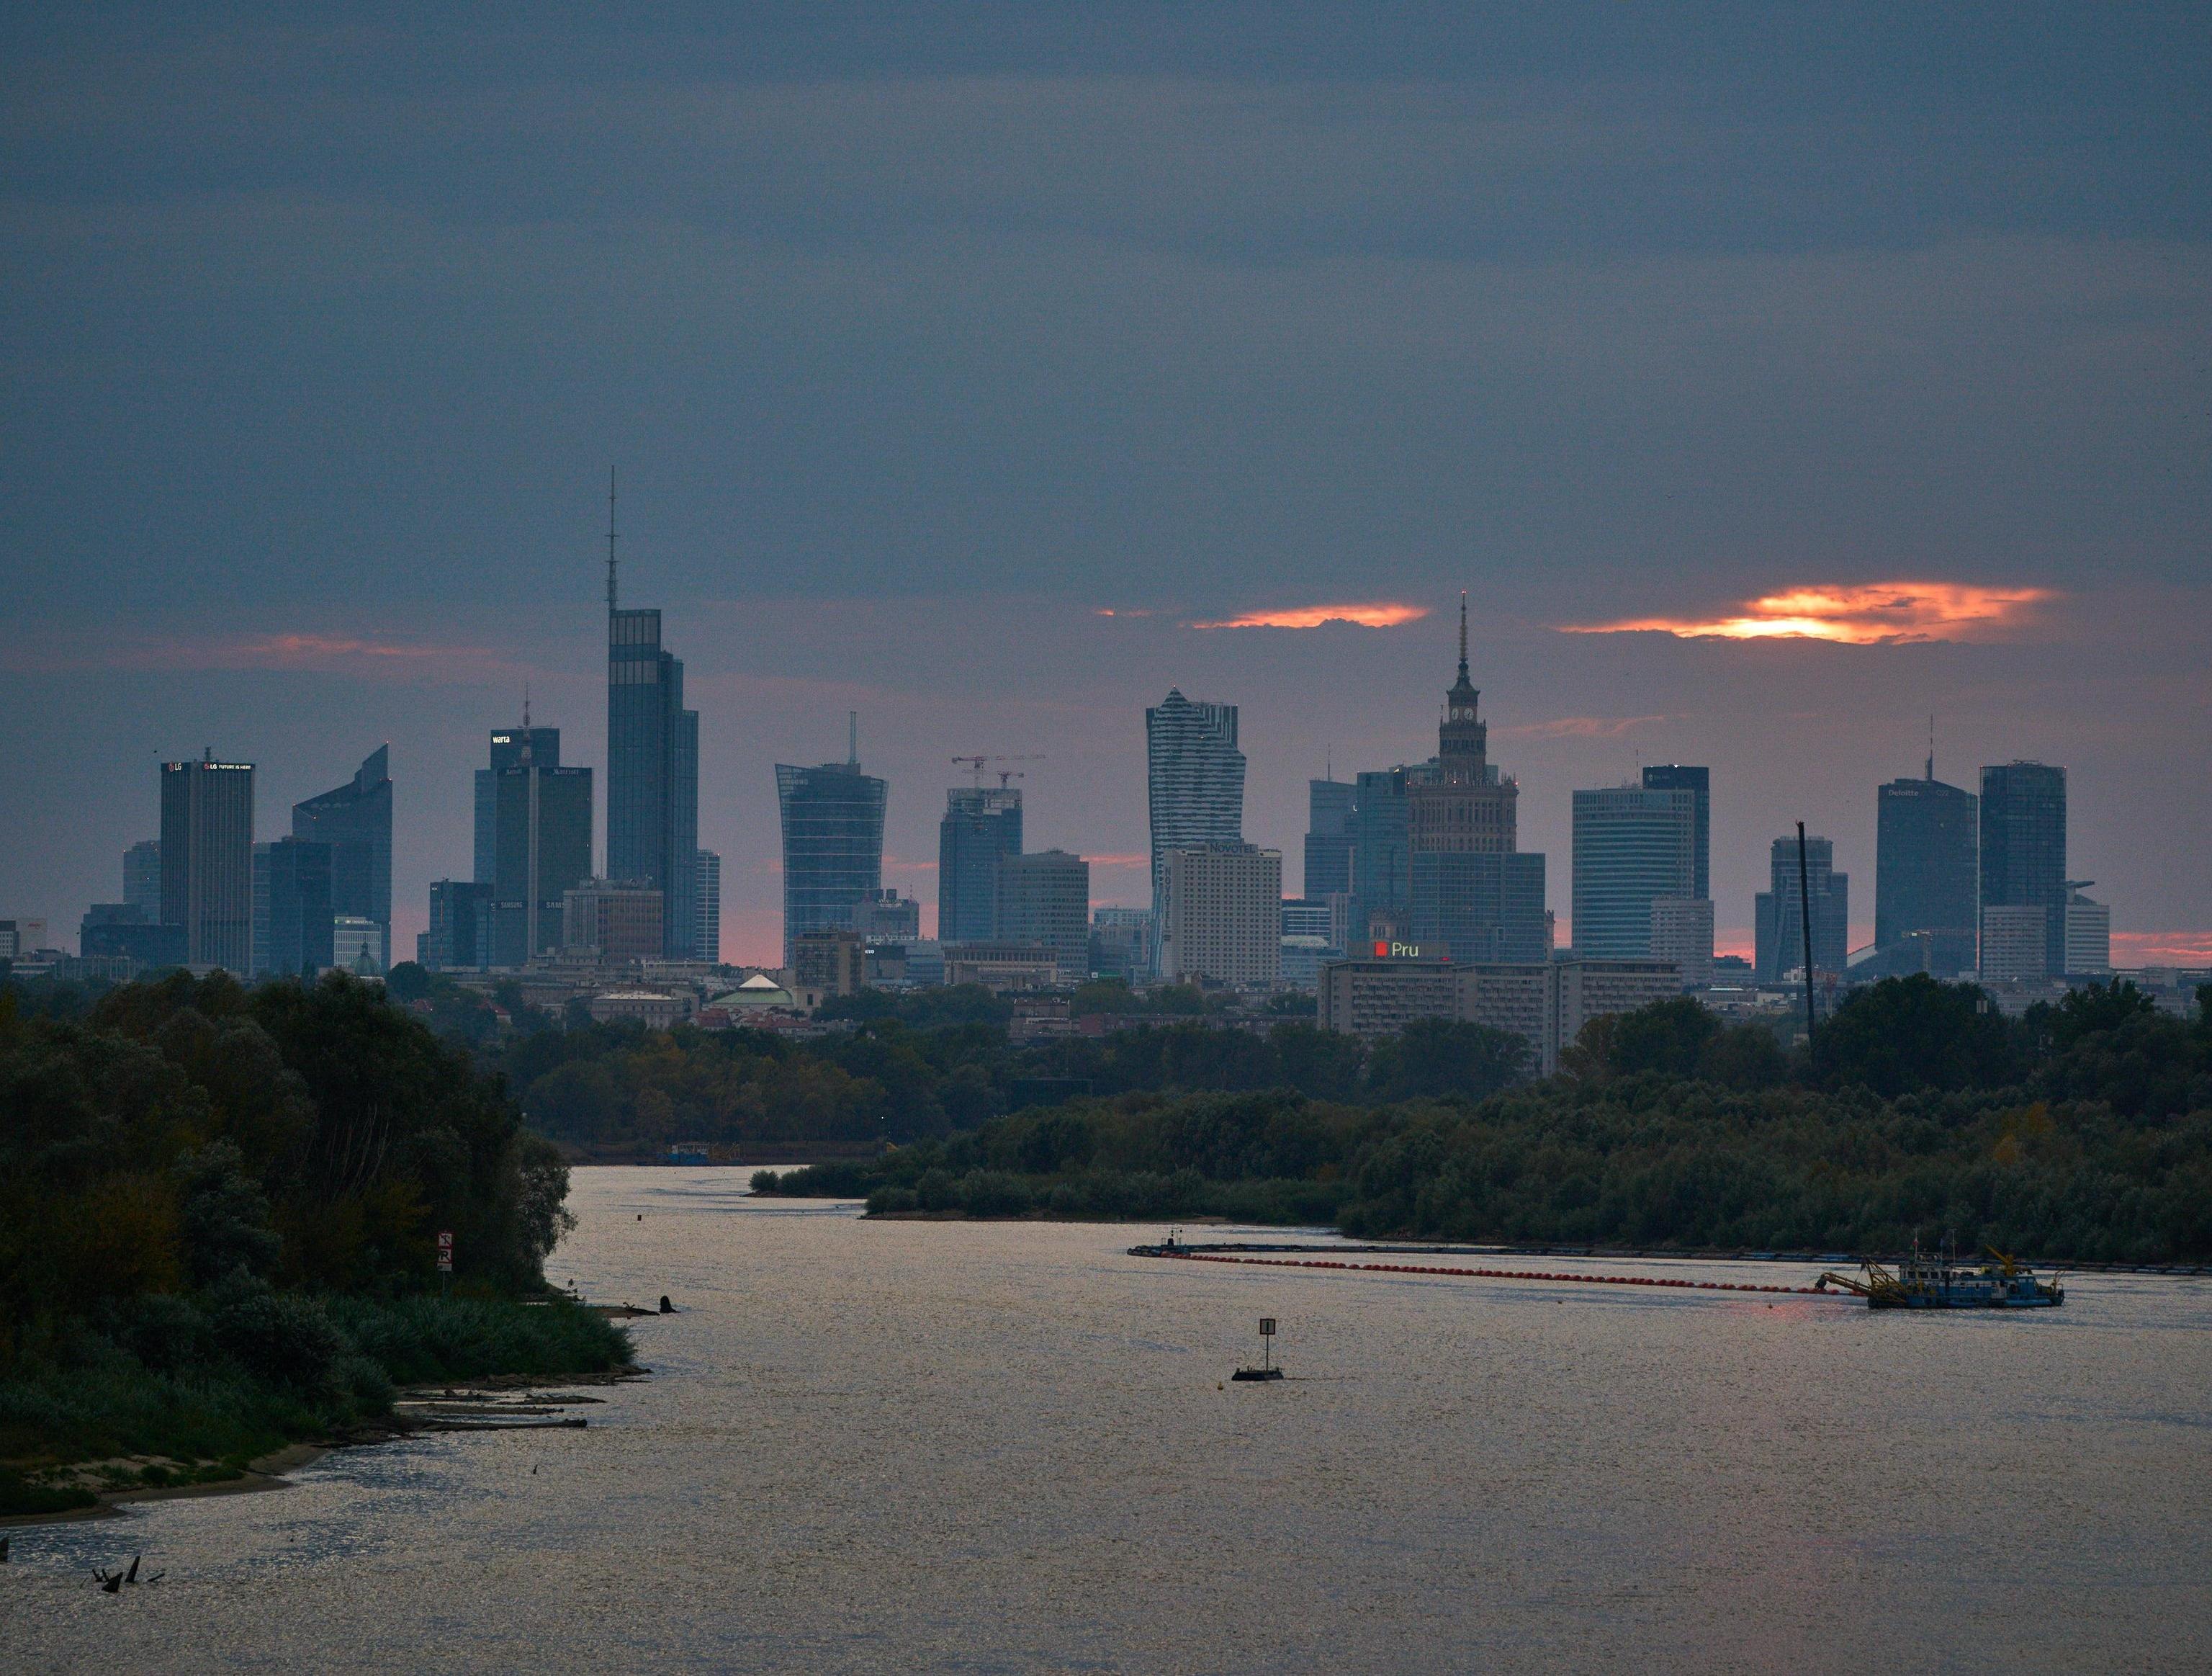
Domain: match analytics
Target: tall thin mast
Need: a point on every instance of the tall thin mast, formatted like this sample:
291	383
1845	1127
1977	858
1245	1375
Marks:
610	540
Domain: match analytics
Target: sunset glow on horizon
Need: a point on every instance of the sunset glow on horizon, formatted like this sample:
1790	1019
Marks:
1869	614
1378	614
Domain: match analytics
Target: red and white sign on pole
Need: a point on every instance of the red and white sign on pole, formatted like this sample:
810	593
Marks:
445	1250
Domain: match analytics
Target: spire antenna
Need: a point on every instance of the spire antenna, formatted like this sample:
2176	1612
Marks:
526	707
610	540
1463	634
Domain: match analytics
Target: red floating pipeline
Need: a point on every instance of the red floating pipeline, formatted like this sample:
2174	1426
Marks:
1488	1274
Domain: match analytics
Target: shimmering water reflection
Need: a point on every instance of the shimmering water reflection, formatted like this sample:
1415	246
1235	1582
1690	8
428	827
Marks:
899	1445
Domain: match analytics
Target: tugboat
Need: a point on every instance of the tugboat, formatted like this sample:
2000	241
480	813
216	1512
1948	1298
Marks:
1925	1281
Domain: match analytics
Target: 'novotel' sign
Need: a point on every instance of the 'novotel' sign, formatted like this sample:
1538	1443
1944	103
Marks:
1387	950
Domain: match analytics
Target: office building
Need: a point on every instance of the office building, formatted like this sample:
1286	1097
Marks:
1382	856
20	938
1329	837
1044	898
1698	781
142	878
1778	912
461	919
1121	943
1222	916
2088	933
355	821
1925	863
1195	782
981	826
2023	845
1546	1003
1682	933
1633	845
123	930
886	918
1471	888
830	962
653	772
533	838
619	920
707	892
207	860
359	945
1000	967
1314	934
293	886
833	845
2015	944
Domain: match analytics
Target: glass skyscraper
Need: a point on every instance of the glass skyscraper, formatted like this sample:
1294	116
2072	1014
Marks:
294	886
707	941
1924	878
533	840
1195	779
207	860
1778	912
833	845
983	826
1328	838
355	821
1698	781
142	878
1631	846
1382	859
653	774
2023	844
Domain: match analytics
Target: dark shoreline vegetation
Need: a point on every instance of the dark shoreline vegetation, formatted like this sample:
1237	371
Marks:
218	1212
2082	1133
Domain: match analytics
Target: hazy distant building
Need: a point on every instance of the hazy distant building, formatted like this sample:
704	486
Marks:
1001	965
1222	915
459	938
124	929
1545	1002
618	918
653	772
1044	898
1682	933
142	878
207	860
355	821
2088	934
981	826
1778	912
359	945
1121	941
1195	782
833	845
1926	843
292	914
534	841
888	917
707	892
1471	891
2014	946
1382	854
830	962
2023	845
1631	846
1329	837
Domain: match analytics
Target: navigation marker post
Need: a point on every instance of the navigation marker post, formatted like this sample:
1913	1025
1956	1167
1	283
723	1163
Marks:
1267	1369
445	1255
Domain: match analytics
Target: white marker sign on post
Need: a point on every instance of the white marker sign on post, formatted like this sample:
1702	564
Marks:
445	1250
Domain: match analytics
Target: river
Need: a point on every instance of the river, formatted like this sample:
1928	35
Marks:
1009	1446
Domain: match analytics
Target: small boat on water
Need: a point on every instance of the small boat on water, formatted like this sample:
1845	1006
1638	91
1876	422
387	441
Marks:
1926	1280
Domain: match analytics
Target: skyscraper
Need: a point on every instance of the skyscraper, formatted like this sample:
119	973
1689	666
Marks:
355	821
294	885
652	766
1328	838
1631	847
1381	857
833	845
983	825
706	940
207	860
510	748
2023	834
142	878
1698	781
534	828
461	919
1044	898
1223	915
1924	875
1195	779
1778	912
1473	892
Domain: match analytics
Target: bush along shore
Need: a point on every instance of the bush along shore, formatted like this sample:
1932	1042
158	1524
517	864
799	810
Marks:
219	1212
2083	1133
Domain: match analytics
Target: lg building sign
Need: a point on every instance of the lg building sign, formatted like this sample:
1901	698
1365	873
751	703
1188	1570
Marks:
1406	951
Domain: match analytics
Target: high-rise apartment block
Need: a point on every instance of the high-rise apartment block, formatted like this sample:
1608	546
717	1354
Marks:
292	914
830	962
2023	861
1328	838
1473	891
983	825
1633	847
833	845
1545	1002
142	878
1926	861
2088	934
1194	781
707	939
207	860
1222	915
1682	933
1779	913
653	772
355	821
2015	946
1044	898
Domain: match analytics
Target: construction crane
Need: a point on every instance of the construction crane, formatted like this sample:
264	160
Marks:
976	767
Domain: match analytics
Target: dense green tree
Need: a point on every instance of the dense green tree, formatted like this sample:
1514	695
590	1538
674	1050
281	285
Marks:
1904	1035
1438	1058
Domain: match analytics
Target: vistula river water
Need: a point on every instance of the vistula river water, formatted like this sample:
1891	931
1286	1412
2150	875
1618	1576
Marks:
1010	1446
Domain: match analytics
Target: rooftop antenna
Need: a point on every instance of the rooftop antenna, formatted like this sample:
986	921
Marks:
1931	747
526	707
1805	912
610	540
853	737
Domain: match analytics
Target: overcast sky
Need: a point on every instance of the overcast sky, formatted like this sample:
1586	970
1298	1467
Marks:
921	337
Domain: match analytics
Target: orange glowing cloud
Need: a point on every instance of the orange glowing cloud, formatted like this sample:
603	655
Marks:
1381	614
1872	614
